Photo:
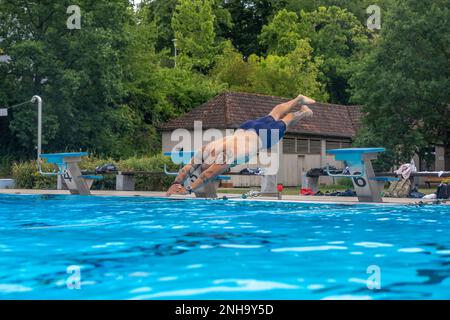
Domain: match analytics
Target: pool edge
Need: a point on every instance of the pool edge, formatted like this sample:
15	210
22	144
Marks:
232	197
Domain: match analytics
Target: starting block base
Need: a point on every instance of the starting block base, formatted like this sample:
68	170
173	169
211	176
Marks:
359	164
69	172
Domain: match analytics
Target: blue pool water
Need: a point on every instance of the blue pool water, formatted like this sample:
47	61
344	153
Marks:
152	248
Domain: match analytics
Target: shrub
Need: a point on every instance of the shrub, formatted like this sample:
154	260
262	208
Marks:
345	182
5	165
154	182
27	176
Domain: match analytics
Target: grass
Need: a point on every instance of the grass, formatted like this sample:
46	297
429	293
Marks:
296	190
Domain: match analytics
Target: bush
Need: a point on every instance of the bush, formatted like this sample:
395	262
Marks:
345	182
27	175
5	165
156	182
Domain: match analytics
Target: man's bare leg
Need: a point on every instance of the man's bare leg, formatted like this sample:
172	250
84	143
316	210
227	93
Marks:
282	109
294	117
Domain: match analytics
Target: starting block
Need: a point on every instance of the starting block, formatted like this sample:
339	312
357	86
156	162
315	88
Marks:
209	190
360	170
69	171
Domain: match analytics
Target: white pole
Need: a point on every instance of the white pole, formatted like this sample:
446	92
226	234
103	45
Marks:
39	146
175	50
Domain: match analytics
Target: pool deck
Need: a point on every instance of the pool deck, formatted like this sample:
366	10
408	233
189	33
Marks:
295	198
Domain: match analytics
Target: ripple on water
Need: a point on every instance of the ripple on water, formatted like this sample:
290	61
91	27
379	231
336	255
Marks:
237	285
373	244
240	246
12	288
411	250
139	274
315	286
348	297
308	249
141	290
165	279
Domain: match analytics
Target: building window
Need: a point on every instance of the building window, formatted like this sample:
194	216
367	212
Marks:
302	146
333	145
315	146
345	145
289	146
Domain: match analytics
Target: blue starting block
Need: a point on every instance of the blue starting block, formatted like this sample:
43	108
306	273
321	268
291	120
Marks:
359	164
69	171
209	190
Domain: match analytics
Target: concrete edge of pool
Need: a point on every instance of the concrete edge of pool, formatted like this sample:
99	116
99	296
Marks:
286	198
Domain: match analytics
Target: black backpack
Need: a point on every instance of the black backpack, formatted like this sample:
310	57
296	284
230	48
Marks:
107	168
443	191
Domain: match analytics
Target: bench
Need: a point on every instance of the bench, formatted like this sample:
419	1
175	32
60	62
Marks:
125	180
431	179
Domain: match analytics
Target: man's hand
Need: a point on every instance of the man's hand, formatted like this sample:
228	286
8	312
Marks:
176	189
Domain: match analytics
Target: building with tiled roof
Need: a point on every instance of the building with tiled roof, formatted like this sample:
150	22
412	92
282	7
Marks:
231	109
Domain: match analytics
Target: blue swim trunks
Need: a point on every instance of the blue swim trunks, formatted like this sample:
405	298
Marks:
268	129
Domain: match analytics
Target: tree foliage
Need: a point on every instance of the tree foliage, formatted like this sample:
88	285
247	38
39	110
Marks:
78	73
273	75
404	82
193	25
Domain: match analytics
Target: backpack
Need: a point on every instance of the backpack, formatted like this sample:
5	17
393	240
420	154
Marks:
399	189
107	168
443	191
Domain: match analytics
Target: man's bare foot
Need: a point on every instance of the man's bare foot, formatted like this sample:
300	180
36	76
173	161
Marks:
303	100
305	112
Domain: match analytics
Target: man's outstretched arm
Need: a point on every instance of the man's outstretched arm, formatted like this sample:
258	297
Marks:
184	173
208	175
177	185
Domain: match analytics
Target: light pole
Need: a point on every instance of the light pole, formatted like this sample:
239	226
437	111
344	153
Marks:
175	51
39	146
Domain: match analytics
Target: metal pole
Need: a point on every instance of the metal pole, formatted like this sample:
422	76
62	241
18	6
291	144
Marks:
175	51
39	146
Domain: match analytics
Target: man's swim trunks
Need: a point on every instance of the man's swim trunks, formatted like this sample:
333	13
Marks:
268	129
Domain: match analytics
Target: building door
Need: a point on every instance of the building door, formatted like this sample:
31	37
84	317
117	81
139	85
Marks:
290	169
301	168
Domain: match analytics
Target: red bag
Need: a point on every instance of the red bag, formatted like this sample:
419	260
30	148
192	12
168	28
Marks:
306	192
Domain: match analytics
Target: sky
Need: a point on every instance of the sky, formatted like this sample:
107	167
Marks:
136	2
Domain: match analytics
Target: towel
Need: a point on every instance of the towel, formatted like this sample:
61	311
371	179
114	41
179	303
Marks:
406	169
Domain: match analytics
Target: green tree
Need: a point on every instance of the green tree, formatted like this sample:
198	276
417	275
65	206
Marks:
281	35
286	76
340	39
193	25
356	7
248	17
162	12
404	83
77	72
336	36
156	93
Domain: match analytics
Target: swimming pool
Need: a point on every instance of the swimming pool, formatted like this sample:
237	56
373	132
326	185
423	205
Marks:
154	248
